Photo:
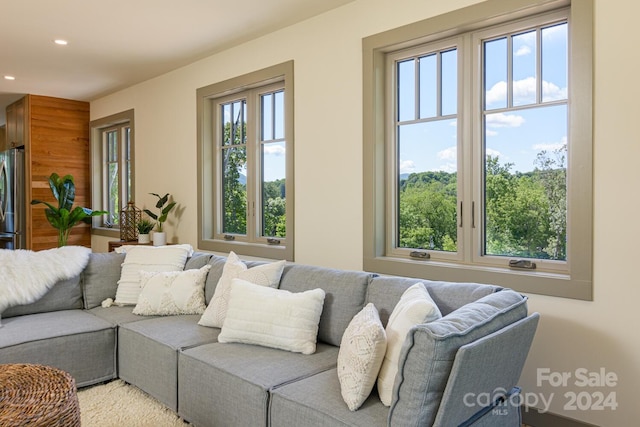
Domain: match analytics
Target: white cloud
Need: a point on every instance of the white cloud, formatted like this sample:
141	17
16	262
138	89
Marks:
490	132
492	152
274	150
551	146
524	91
450	153
551	92
523	50
502	120
407	166
448	167
497	93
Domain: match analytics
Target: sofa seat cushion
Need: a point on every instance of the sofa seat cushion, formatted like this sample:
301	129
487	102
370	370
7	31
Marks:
148	352
72	340
228	384
118	315
428	353
316	401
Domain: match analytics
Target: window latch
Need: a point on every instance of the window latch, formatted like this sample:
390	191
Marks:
522	263
229	237
419	255
273	241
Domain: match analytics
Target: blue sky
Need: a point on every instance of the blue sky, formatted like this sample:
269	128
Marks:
516	136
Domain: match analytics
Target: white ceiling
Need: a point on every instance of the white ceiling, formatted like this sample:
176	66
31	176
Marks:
116	43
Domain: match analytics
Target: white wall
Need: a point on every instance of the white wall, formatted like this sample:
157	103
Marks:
328	177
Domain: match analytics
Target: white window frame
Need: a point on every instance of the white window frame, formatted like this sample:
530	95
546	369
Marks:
210	234
574	280
119	122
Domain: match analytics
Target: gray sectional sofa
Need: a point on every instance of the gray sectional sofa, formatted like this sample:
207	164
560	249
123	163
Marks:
447	370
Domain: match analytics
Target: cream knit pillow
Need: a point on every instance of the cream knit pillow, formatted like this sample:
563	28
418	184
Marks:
362	350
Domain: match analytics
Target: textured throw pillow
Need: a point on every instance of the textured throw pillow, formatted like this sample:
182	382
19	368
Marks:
264	275
415	306
362	350
147	258
272	317
172	292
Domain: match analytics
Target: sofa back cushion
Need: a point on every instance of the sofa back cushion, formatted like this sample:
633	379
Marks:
429	350
215	273
385	292
345	293
100	278
64	295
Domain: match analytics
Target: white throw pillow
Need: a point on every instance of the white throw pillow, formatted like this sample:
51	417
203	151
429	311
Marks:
273	317
264	275
172	292
415	306
147	258
362	350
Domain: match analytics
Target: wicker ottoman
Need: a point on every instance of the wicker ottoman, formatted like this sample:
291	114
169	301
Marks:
37	395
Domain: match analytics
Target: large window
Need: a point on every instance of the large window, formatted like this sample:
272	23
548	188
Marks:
246	164
112	169
481	146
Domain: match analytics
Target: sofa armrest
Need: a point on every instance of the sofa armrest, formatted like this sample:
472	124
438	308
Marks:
486	371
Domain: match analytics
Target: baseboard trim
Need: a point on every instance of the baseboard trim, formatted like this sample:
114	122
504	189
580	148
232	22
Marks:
532	417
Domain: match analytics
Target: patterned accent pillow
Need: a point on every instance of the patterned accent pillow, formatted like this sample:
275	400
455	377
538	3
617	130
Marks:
415	306
362	350
171	293
264	275
273	318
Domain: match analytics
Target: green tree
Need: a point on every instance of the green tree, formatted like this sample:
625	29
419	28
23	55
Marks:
234	189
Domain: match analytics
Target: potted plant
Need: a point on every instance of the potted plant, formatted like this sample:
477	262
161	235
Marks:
159	236
144	228
64	216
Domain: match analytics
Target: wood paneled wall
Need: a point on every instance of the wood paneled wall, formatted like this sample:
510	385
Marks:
57	141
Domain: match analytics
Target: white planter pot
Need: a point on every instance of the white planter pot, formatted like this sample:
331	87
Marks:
159	238
144	238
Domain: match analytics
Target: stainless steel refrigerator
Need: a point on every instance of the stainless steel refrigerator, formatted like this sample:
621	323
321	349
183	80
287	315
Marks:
12	199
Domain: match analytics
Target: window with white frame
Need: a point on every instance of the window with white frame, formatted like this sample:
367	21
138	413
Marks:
246	164
484	157
112	169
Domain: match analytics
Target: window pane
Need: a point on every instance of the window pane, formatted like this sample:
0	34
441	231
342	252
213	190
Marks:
449	82
112	187
234	190
267	117
129	180
495	73
428	86
273	189
112	191
554	63
525	183
234	123
524	68
427	186
279	112
406	90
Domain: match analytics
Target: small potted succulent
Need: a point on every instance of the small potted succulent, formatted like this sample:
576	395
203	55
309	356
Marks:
159	236
144	228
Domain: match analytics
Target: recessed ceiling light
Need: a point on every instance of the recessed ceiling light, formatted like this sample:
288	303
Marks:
60	42
9	78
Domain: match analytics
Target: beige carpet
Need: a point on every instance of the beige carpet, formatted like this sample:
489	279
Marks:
117	404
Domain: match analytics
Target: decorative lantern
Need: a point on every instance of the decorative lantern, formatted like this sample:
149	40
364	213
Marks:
130	216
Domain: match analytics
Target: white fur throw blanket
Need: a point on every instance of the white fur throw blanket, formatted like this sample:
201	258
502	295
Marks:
25	276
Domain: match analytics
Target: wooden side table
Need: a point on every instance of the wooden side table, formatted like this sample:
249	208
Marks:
117	243
38	396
